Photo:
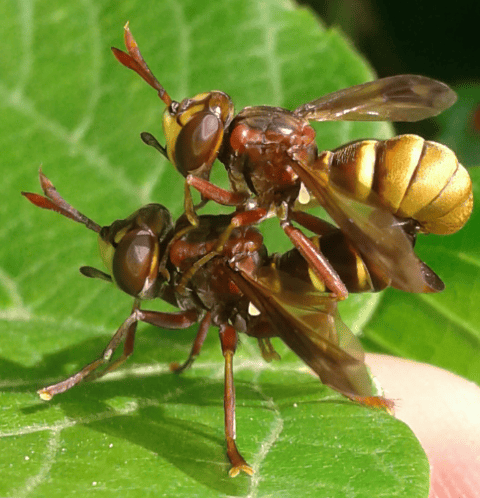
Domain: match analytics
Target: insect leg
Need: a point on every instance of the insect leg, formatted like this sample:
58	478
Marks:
179	320
313	223
196	346
127	351
125	332
164	320
228	339
127	328
217	194
316	260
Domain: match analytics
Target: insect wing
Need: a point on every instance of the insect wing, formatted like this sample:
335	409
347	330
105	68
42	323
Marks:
404	97
307	320
385	247
374	231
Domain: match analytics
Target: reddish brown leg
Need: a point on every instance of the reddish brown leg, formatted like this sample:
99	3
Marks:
196	346
316	260
178	320
217	194
228	339
313	223
127	328
224	197
127	351
125	332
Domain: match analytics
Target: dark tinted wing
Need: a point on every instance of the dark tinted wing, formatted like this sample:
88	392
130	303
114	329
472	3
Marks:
308	322
374	231
397	98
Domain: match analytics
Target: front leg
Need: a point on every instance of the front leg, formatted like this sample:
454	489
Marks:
126	332
209	192
214	193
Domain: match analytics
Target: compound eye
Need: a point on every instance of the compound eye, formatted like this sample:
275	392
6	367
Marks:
198	142
132	261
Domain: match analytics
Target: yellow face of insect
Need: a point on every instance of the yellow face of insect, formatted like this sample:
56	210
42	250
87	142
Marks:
194	131
107	251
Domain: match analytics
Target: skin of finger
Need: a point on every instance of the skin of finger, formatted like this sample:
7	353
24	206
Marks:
443	410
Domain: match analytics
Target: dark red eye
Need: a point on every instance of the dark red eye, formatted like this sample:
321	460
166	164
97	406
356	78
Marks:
198	142
132	261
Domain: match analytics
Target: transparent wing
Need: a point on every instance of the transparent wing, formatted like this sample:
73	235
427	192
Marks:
404	97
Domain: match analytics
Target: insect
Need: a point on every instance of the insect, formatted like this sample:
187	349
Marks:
243	289
369	187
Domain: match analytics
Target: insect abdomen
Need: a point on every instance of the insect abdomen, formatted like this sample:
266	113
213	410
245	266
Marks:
412	177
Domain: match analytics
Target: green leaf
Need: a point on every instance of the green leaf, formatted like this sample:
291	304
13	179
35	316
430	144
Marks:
141	431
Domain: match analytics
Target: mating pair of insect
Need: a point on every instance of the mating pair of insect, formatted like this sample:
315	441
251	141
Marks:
217	270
